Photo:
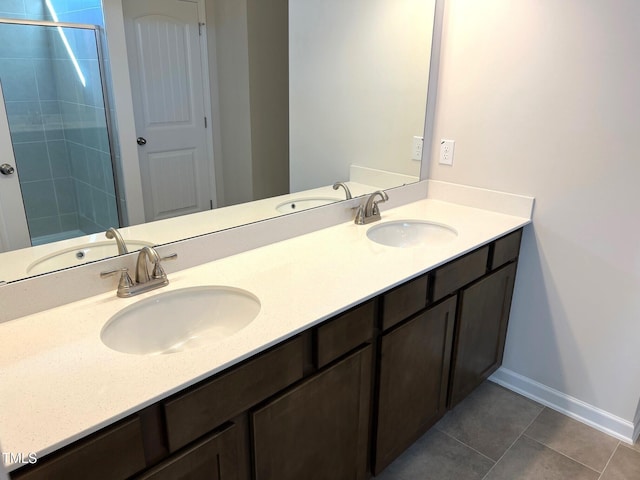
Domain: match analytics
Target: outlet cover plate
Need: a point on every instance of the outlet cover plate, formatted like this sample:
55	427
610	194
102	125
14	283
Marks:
446	152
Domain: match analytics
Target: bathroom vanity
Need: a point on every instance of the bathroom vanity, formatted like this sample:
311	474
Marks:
341	371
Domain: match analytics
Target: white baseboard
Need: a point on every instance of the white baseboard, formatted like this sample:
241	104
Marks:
572	407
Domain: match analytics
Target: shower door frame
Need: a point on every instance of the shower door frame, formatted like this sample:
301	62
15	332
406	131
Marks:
14	232
6	228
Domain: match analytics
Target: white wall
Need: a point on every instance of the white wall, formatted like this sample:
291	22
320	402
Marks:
543	98
228	19
381	46
248	68
267	25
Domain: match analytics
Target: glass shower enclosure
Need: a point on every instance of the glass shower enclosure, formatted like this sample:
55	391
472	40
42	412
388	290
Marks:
54	92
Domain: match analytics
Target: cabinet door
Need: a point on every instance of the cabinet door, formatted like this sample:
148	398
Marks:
481	331
414	374
213	458
319	430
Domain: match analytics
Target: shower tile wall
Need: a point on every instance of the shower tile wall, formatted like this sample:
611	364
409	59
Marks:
79	11
30	9
34	114
65	170
83	107
84	126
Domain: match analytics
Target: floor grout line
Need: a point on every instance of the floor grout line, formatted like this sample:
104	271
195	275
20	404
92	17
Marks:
514	442
565	455
598	474
468	446
609	461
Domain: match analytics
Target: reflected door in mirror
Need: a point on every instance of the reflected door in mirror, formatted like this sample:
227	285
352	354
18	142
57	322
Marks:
167	84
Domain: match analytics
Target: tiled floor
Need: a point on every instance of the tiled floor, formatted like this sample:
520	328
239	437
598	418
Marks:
496	434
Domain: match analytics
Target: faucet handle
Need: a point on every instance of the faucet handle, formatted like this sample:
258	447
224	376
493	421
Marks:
125	283
359	218
171	256
111	273
158	271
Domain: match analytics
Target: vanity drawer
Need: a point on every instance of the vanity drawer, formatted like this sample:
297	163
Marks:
344	333
456	274
199	411
114	453
506	249
404	301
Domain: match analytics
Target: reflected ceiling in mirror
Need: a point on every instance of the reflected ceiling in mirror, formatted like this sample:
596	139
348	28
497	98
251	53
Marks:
298	98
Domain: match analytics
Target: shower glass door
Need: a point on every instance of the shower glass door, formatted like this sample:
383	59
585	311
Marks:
55	104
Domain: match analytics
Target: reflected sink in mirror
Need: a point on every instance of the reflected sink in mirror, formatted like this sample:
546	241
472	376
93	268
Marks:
411	233
299	147
180	320
304	203
79	254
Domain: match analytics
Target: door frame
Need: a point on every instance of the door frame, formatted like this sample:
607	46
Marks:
123	103
14	231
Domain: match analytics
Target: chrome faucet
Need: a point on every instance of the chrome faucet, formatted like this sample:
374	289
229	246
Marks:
143	281
337	185
113	233
369	211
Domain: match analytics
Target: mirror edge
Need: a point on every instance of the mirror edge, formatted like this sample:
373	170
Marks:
432	89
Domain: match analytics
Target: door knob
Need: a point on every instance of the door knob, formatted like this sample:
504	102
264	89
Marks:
6	169
141	141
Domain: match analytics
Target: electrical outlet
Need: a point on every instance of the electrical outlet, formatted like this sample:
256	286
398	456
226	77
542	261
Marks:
446	152
416	148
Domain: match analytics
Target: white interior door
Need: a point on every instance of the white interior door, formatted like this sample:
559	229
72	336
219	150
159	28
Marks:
14	232
164	51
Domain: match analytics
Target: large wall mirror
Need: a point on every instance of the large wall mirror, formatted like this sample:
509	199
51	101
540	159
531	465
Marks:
175	118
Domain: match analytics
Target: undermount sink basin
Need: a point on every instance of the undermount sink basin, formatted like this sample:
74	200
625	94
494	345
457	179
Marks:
411	233
84	253
180	320
303	203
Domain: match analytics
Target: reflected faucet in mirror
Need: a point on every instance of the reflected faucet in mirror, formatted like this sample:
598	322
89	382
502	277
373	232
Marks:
112	233
118	179
346	189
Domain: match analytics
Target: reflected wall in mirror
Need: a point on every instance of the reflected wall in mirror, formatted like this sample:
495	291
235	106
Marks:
291	98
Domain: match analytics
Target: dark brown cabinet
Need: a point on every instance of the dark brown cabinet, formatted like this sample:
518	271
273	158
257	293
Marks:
340	400
320	429
216	457
348	331
115	452
403	301
481	331
198	411
414	374
458	273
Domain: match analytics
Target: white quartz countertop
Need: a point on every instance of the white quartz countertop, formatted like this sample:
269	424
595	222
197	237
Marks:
58	382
